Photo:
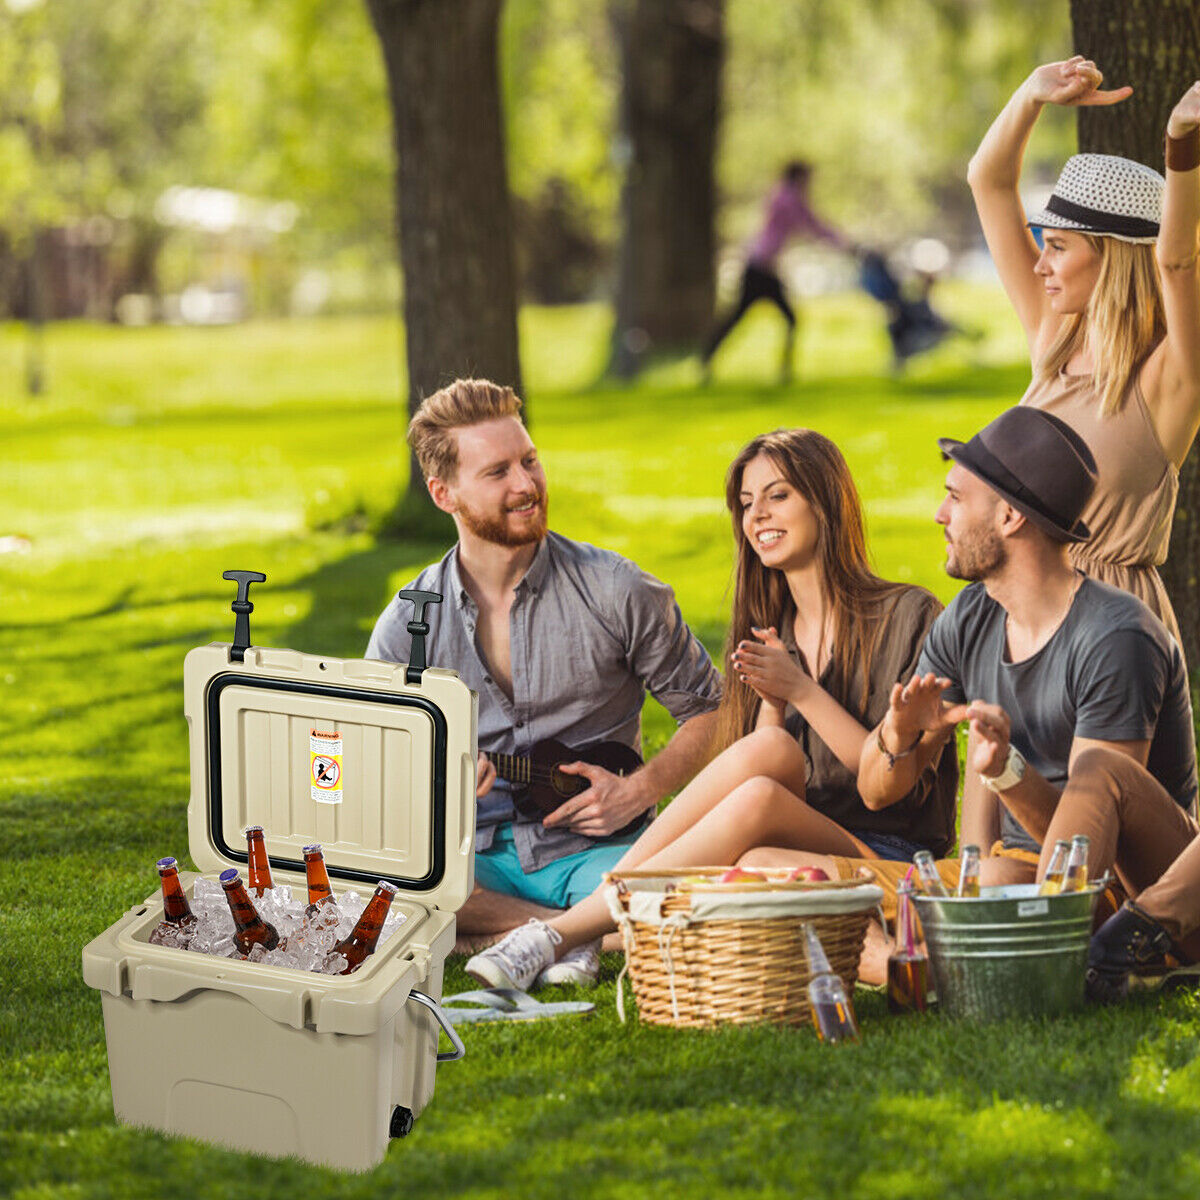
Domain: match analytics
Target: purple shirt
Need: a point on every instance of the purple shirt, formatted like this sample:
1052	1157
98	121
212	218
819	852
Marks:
788	213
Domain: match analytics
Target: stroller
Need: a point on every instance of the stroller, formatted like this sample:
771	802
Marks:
913	325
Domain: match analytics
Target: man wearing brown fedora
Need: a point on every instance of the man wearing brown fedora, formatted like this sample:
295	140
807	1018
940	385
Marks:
1076	696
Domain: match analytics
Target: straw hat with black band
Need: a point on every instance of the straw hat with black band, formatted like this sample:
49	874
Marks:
1106	196
1038	463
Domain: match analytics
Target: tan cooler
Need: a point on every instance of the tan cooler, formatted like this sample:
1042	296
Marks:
279	1061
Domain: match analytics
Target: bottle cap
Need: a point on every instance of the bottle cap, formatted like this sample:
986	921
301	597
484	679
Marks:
165	864
315	846
228	877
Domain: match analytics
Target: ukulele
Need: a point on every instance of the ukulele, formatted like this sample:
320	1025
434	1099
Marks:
542	787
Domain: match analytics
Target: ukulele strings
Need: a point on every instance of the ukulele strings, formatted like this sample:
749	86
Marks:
530	774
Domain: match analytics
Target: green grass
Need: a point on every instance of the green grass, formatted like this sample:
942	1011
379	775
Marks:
161	457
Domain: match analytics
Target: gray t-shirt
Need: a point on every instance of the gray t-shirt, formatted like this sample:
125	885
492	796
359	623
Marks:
1111	671
589	633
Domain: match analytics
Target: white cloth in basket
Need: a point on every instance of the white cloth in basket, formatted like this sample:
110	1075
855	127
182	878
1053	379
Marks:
646	900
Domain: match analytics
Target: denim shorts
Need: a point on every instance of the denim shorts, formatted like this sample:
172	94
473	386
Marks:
559	884
889	845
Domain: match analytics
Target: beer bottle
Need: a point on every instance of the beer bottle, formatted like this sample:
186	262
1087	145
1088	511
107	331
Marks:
318	877
1052	882
364	937
1076	877
258	872
908	966
968	873
832	1012
179	922
251	928
927	873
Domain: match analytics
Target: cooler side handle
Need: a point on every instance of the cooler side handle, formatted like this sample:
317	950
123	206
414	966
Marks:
430	1003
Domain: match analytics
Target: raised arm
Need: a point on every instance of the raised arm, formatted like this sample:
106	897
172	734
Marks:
995	172
1174	396
918	723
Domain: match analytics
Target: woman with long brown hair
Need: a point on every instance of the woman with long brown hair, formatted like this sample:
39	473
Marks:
816	643
1110	305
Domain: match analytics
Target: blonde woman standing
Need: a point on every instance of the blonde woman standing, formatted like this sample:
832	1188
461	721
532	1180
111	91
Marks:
1111	310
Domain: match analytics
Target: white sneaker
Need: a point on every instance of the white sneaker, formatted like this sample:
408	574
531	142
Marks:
580	966
517	959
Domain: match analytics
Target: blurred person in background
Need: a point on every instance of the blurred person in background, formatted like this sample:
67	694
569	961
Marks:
788	213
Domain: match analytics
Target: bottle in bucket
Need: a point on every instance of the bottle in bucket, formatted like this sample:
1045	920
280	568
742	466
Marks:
1076	877
927	873
318	876
364	937
179	922
258	871
1052	882
968	874
908	966
832	1012
251	930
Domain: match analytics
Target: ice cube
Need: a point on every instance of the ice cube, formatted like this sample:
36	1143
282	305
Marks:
325	914
334	964
207	889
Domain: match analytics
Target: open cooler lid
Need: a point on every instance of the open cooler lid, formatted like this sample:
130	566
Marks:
345	752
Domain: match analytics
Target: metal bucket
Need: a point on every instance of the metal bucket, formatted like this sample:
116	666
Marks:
1009	952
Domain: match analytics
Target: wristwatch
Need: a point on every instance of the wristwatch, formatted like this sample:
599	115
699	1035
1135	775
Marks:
1013	773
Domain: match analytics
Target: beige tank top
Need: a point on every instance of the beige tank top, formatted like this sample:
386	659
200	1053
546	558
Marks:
1131	510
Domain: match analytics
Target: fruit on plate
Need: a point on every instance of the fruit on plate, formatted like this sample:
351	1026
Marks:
807	875
741	875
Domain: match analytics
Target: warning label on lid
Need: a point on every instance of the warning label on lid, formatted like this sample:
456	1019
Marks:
325	766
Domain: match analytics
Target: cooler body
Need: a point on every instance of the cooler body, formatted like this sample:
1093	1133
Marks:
267	1059
381	771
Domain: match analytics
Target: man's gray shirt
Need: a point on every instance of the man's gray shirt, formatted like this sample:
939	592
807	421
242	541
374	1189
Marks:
1110	672
590	632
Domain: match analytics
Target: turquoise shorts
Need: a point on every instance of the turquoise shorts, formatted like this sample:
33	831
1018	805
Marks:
559	884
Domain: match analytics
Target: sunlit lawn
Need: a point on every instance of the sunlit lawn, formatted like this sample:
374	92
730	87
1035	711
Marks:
160	458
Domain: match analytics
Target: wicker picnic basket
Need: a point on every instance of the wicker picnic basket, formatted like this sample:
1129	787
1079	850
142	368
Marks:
702	953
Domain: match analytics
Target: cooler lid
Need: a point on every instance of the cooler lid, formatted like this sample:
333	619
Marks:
344	752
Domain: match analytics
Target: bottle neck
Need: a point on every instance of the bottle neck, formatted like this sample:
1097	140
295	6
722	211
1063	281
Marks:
818	961
318	879
245	915
905	934
176	908
259	867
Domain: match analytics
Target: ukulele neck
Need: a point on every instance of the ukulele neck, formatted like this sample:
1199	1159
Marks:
512	767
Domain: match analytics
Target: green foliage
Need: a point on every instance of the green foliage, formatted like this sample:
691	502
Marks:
887	99
104	103
166	456
560	93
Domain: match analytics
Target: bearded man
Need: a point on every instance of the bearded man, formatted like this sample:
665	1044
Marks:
1076	695
561	640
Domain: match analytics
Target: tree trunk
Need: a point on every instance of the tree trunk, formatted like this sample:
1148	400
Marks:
671	53
1155	46
454	219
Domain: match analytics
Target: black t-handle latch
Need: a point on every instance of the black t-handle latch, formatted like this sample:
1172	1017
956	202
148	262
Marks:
242	608
418	627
